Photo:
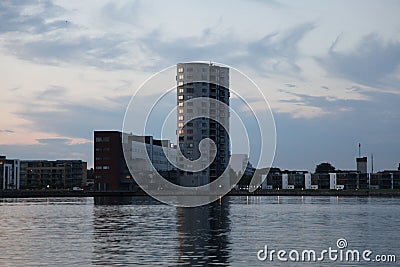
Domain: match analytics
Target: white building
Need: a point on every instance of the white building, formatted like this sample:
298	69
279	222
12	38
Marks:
9	173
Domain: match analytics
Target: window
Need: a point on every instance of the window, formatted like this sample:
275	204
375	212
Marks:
190	131
189	110
190	104
189	151
180	124
190	124
180	111
180	97
106	167
180	104
180	118
190	90
189	69
180	69
190	145
189	97
180	77
181	131
180	83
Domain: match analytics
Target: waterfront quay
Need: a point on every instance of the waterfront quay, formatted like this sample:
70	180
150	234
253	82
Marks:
259	192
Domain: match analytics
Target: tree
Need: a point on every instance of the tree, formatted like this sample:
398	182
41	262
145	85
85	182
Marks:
324	167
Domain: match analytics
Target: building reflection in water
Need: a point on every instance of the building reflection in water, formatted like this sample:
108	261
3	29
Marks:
142	231
203	234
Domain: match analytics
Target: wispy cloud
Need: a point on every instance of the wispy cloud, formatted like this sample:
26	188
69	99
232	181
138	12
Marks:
371	62
61	141
30	16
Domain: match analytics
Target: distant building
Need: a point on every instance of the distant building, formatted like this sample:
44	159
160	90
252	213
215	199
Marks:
195	80
9	173
37	174
239	162
362	164
111	171
277	179
388	179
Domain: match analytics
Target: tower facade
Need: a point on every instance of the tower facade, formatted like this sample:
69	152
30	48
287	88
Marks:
362	164
206	81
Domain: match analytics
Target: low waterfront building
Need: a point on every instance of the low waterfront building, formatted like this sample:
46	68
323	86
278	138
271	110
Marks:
111	171
277	179
389	179
60	174
9	173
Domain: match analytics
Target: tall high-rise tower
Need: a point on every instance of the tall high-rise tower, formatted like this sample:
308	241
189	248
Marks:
208	81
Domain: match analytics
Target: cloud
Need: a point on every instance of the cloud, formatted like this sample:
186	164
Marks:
34	32
6	131
50	151
29	16
60	141
273	53
105	52
49	40
370	63
73	120
334	137
52	92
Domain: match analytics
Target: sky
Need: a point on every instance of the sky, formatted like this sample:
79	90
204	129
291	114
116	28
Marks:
329	70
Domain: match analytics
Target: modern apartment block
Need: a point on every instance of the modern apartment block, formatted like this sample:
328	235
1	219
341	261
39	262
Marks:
37	174
206	80
111	171
9	173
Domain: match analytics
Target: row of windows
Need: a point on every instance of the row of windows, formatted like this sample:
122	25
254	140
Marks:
102	158
102	177
100	149
181	97
105	167
189	103
189	124
103	139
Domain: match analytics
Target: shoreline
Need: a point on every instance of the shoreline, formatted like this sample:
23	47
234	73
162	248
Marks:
70	193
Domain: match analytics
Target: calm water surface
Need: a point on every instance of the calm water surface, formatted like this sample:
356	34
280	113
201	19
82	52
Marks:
140	231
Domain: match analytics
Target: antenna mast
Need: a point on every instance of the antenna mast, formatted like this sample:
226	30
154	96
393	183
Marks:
372	163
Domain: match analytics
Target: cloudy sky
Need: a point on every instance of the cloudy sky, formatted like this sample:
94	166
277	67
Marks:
330	70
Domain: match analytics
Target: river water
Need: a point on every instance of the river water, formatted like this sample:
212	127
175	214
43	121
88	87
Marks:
141	231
